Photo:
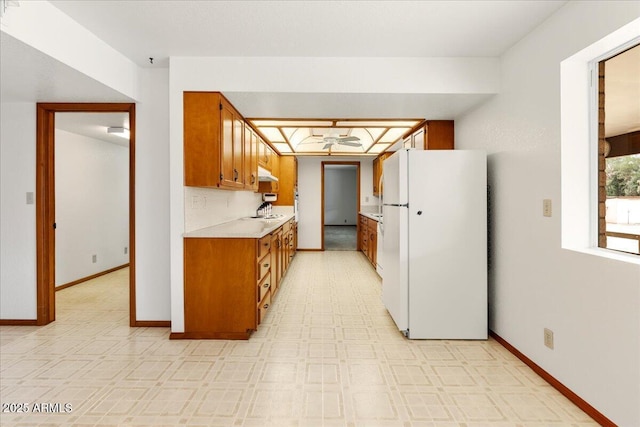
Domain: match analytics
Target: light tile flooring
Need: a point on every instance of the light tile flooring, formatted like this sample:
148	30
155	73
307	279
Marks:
328	354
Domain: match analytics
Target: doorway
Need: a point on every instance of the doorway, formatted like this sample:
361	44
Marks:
46	198
340	205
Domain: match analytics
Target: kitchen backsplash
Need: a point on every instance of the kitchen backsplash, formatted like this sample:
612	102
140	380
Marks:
204	207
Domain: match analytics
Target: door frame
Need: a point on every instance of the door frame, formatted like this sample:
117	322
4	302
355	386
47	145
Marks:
45	201
357	165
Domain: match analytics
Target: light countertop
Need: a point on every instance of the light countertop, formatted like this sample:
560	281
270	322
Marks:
373	216
248	228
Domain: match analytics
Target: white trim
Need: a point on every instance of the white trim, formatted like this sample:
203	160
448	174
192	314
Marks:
579	160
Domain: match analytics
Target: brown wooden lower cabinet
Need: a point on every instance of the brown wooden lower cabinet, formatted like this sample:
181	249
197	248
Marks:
229	283
367	237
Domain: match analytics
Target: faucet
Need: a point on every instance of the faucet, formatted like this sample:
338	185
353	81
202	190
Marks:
264	209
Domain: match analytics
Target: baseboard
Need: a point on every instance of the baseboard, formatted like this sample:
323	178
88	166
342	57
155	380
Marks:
566	392
18	322
93	276
310	250
151	323
209	335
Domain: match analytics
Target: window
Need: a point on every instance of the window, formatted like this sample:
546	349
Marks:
583	164
619	151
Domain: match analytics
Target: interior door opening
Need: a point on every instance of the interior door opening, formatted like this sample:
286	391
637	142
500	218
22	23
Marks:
340	205
92	214
46	221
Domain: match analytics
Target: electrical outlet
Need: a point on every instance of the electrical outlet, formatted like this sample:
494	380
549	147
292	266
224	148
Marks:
126	250
546	207
30	199
548	338
366	199
94	258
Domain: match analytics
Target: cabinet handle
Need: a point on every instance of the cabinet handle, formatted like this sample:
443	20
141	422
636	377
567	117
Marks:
235	174
266	244
253	179
265	306
266	285
266	265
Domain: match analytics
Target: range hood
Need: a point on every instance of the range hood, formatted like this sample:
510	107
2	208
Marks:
265	175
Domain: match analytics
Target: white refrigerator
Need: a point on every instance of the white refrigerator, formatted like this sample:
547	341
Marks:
434	281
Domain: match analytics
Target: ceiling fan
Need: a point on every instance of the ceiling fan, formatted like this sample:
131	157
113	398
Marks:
333	139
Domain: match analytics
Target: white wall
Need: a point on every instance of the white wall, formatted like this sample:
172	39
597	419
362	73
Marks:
42	26
591	303
17	219
153	286
92	206
340	196
310	196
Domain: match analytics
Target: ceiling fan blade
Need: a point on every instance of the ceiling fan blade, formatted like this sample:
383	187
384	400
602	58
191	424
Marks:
327	146
348	138
350	144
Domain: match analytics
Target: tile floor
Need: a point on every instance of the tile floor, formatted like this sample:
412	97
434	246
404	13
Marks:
328	354
340	237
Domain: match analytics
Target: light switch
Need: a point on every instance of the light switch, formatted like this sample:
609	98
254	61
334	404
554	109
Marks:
546	207
30	197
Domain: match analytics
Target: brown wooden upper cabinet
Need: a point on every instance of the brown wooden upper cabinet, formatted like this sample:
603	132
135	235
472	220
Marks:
288	180
266	156
377	172
432	135
250	158
218	144
429	135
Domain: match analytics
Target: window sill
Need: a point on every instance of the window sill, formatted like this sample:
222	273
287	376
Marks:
609	254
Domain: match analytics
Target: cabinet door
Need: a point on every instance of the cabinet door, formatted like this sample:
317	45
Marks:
202	139
275	263
275	171
250	159
230	146
373	244
419	139
376	176
439	135
238	148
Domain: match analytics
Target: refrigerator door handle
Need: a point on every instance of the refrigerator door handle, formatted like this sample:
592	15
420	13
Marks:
406	205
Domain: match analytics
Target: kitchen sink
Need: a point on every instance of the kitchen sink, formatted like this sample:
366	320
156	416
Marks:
272	216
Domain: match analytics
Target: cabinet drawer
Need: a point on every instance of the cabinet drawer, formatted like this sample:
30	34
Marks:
263	307
263	266
264	246
263	287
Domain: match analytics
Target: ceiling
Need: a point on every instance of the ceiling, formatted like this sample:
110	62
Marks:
159	29
94	125
622	93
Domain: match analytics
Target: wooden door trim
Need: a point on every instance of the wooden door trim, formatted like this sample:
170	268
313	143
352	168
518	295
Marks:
357	165
45	201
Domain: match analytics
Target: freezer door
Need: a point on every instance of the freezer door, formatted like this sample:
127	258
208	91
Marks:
394	274
394	179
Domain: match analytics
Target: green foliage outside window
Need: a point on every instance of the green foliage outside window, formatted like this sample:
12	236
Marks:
623	176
